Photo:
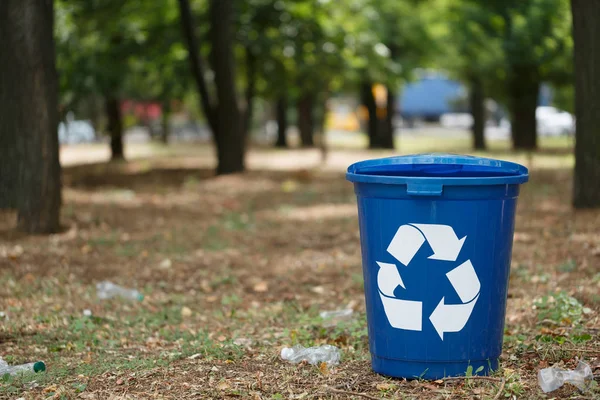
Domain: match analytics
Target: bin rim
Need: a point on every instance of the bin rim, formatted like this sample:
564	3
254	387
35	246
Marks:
437	168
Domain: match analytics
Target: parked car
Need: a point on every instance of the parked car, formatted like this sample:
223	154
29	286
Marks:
554	122
74	132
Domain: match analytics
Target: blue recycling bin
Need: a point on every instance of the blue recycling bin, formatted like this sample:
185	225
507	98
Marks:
436	235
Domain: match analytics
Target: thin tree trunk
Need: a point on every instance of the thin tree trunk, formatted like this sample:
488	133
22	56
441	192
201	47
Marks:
368	100
586	33
524	88
387	133
476	100
29	114
196	63
115	128
320	117
306	120
231	138
166	127
282	122
250	90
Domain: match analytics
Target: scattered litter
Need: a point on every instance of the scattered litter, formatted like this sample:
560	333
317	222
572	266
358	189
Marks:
107	290
166	263
2	314
23	368
195	356
552	378
87	312
313	355
331	318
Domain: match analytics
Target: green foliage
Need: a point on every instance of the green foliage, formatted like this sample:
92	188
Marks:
561	309
116	48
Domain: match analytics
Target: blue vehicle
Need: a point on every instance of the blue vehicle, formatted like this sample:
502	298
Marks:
431	96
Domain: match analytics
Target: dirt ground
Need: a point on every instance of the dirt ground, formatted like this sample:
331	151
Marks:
234	268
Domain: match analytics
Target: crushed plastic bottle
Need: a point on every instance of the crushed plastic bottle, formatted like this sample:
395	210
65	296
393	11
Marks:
552	378
23	368
332	318
313	355
107	290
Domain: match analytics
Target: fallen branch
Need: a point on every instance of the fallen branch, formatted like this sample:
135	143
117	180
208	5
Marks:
366	396
484	378
497	396
592	351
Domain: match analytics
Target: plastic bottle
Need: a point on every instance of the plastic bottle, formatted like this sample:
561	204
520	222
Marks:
552	378
23	368
107	290
313	355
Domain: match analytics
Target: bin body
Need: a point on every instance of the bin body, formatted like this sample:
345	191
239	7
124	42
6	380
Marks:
436	237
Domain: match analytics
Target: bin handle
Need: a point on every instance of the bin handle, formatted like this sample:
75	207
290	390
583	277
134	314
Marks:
424	189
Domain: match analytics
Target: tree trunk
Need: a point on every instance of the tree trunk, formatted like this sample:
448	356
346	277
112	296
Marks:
586	33
306	120
477	106
282	122
368	100
29	114
387	133
196	63
230	138
166	127
115	128
524	88
250	89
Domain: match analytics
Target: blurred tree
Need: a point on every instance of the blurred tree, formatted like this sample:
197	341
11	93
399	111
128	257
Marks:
29	164
160	72
537	48
223	113
395	39
473	56
97	41
586	32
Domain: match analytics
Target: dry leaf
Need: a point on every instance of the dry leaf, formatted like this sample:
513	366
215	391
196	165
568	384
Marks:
323	368
223	385
186	312
261	287
384	386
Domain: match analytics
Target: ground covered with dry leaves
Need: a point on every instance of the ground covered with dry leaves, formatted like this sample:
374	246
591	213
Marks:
234	268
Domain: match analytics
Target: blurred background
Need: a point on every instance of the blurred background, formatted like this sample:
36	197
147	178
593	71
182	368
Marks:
139	77
194	151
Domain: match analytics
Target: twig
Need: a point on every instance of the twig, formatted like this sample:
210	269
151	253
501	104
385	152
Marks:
366	396
485	378
497	396
592	351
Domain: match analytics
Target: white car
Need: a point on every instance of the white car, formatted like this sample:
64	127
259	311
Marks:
74	132
554	122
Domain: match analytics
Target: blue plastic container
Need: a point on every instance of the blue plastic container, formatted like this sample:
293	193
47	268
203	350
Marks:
436	235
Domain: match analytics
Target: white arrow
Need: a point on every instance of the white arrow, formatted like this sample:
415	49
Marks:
451	317
464	280
405	244
403	314
442	239
388	278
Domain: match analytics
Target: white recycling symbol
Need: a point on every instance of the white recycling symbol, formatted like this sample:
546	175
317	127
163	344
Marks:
446	246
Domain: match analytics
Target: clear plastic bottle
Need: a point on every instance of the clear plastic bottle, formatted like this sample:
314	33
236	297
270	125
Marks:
313	355
23	368
107	290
